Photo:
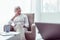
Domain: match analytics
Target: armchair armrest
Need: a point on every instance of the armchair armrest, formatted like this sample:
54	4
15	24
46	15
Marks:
30	35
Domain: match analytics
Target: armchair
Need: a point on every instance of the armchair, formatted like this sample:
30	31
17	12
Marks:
31	33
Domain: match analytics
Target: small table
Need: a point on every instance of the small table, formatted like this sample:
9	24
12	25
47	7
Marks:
10	36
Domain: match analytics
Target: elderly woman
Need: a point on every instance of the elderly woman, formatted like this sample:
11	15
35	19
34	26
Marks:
20	20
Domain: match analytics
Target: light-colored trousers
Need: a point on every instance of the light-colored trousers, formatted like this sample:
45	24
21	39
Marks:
20	28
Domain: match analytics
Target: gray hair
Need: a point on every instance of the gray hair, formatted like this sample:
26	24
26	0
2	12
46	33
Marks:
17	8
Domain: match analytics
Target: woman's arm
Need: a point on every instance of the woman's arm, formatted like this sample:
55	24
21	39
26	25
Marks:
11	21
14	17
26	22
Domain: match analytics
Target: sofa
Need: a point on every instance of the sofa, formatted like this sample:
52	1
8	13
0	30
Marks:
49	31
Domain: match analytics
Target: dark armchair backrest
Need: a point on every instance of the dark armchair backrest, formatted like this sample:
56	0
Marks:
30	19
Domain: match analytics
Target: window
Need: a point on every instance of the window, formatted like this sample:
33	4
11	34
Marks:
50	6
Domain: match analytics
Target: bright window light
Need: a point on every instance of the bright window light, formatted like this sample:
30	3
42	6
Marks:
50	5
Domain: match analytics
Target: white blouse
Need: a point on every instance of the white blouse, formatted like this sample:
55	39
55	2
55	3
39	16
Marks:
21	19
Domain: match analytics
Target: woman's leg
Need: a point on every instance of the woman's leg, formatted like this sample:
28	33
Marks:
19	28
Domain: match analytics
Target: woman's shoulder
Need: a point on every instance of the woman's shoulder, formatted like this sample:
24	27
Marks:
24	15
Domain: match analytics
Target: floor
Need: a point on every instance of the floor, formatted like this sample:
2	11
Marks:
38	36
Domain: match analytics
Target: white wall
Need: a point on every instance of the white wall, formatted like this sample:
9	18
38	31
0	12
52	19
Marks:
36	8
7	9
50	17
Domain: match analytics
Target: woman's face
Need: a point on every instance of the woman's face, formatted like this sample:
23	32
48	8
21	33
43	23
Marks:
18	11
